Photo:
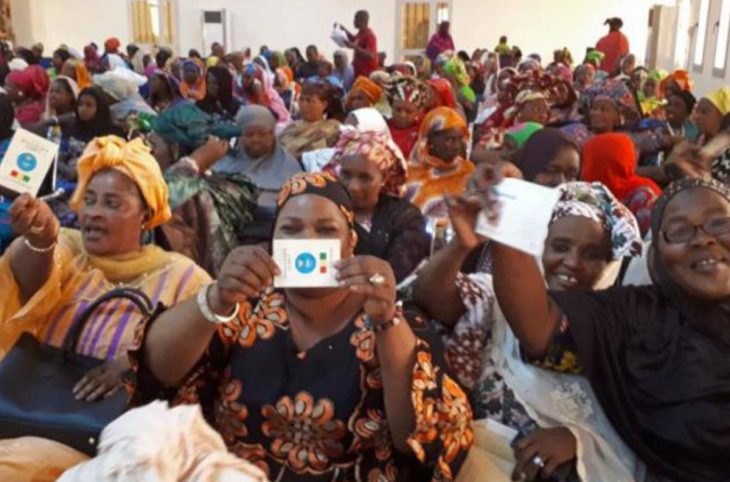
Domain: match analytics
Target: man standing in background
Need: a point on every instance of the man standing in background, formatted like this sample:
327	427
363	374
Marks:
364	44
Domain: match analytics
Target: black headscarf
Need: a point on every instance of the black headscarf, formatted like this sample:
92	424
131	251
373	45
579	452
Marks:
101	124
225	103
659	366
539	150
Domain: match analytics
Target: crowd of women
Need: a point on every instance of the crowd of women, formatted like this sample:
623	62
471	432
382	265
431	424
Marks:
441	355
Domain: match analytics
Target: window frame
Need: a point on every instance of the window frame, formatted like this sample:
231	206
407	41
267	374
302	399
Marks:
721	71
699	67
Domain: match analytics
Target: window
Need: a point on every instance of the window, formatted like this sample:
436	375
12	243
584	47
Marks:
442	13
152	21
682	45
722	36
415	23
699	54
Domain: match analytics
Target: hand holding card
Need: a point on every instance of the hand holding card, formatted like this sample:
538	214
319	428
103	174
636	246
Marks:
33	219
246	273
373	278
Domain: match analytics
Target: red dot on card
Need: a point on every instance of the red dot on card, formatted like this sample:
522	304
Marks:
323	269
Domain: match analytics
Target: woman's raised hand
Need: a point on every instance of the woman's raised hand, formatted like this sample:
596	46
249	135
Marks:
32	218
373	278
209	153
246	273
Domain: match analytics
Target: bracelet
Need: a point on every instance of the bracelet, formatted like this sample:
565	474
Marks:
381	327
208	313
36	249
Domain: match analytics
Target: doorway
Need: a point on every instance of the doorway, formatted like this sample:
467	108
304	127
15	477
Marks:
416	22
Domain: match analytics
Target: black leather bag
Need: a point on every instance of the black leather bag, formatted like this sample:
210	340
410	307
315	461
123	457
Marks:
36	382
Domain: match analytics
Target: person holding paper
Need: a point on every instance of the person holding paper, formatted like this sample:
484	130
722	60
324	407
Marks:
653	354
364	44
589	233
316	383
373	170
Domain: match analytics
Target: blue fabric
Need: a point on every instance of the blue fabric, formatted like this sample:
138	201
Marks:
6	234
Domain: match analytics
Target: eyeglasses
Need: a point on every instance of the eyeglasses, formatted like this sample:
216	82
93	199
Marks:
686	233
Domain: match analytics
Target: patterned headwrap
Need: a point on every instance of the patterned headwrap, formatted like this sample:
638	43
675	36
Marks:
438	119
594	201
322	184
132	159
681	78
595	57
617	91
32	81
377	148
362	84
408	89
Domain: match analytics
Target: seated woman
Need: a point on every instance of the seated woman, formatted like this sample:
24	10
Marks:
611	159
709	116
127	105
373	170
590	232
409	98
192	86
259	155
438	166
257	88
351	380
164	92
27	89
61	97
219	101
209	209
364	93
320	106
653	354
76	70
49	275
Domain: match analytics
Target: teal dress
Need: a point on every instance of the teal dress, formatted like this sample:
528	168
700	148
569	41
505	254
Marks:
6	233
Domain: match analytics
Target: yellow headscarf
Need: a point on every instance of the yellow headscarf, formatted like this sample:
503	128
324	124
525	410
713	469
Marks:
720	98
132	159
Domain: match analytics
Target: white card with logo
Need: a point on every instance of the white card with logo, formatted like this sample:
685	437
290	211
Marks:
306	263
26	163
526	210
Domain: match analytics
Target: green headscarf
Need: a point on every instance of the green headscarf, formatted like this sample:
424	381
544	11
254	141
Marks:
189	127
520	133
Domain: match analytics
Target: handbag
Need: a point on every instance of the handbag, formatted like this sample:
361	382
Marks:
36	382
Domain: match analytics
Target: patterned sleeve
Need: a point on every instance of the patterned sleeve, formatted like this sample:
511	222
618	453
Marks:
442	435
467	344
411	243
562	354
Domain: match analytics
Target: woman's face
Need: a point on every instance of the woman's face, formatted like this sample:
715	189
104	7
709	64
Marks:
447	144
312	108
69	70
671	87
650	88
87	108
605	116
112	215
310	216
700	266
60	98
564	167
258	141
340	63
577	251
212	86
405	114
247	81
707	117
158	86
57	62
537	110
358	100
363	181
586	77
677	111
190	74
291	57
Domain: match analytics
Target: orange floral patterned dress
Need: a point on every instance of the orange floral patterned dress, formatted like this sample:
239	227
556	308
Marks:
317	415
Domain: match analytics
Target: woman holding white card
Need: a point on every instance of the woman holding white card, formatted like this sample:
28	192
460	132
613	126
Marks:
557	418
654	355
310	384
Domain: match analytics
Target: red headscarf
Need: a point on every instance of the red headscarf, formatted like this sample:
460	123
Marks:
444	93
32	81
112	45
611	159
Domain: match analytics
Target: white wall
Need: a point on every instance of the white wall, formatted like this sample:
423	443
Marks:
73	22
281	24
543	26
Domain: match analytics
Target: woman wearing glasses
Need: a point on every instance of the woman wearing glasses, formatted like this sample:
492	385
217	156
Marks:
656	356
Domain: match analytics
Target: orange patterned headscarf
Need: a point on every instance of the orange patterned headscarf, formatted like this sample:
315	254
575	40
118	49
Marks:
681	78
132	159
372	90
439	119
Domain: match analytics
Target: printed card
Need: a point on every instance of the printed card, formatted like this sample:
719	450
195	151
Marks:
306	263
26	163
526	209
